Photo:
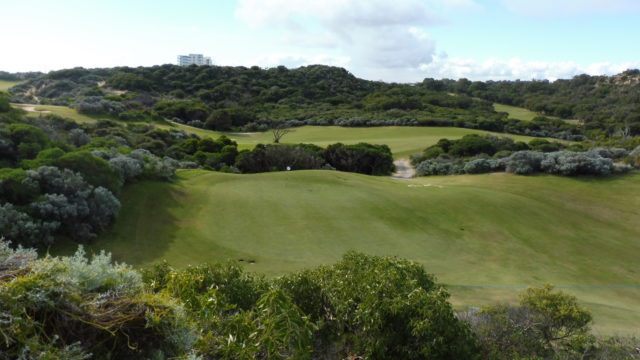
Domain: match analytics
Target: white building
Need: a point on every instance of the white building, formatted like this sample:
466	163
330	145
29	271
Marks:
193	59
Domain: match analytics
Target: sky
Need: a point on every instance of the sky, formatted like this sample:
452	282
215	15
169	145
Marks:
390	40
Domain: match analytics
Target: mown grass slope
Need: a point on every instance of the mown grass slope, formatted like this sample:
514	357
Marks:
493	230
5	85
516	112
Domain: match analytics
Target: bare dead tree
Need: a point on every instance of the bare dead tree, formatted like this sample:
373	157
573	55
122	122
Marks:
279	132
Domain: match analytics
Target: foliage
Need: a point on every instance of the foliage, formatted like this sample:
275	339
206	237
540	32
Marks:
375	307
280	157
96	171
524	162
431	167
23	142
481	166
362	158
604	104
250	99
573	163
546	324
98	105
72	307
384	307
471	145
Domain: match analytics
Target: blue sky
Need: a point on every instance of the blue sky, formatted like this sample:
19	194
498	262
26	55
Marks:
392	40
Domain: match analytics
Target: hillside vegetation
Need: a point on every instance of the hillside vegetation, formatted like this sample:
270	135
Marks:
484	230
606	105
403	141
251	99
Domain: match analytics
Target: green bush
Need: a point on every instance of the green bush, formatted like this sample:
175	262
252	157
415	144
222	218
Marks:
94	170
546	324
72	307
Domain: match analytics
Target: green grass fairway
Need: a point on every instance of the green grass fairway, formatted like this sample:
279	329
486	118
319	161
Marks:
525	114
516	112
63	111
5	85
485	230
402	140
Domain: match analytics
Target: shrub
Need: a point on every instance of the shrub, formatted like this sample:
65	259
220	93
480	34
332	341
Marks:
28	140
432	167
68	206
14	188
361	158
226	119
524	162
471	145
20	227
634	157
383	308
94	170
77	137
480	166
572	163
187	110
72	307
98	105
545	324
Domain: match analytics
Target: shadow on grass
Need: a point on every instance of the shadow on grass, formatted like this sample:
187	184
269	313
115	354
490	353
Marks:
144	229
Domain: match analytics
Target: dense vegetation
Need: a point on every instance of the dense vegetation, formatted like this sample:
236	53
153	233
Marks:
476	154
239	98
250	99
605	105
362	307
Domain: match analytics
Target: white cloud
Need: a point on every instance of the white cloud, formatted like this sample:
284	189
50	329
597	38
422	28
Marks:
552	8
297	60
516	68
384	40
372	33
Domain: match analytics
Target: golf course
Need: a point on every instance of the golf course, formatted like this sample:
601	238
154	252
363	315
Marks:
486	236
403	140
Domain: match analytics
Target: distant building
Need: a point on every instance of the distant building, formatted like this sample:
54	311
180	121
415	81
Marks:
193	59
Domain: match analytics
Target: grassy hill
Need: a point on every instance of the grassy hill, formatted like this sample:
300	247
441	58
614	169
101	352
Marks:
496	231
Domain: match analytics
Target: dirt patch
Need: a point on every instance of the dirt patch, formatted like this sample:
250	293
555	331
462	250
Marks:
404	170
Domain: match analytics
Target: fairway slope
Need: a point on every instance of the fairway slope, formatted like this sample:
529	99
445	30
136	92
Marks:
498	231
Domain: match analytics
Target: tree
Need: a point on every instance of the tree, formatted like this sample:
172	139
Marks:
545	323
278	133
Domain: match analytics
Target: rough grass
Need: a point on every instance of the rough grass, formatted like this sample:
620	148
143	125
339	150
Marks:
5	85
493	230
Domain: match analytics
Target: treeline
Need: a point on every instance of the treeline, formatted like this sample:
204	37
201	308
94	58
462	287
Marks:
250	99
606	105
240	98
476	154
365	307
20	76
